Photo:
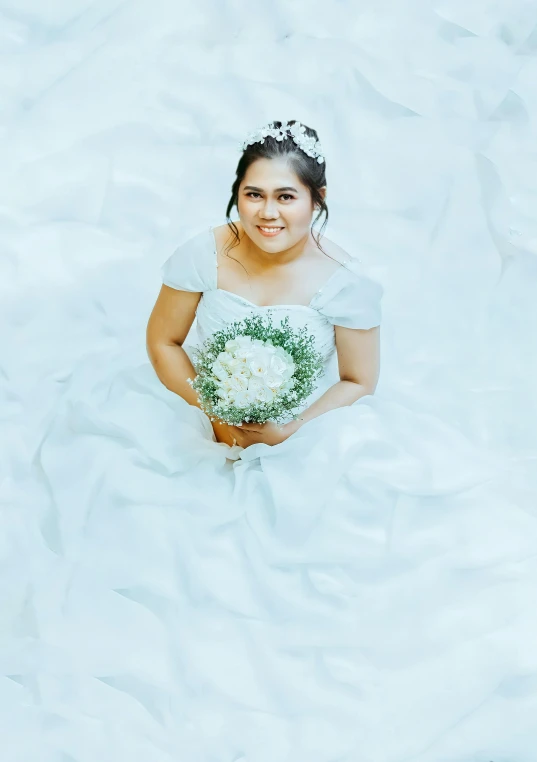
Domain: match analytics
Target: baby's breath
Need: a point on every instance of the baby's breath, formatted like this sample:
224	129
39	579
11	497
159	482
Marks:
297	342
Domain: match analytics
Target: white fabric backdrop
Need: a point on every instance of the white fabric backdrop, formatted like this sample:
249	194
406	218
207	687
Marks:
120	125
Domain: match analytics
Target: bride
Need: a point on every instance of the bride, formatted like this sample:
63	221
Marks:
339	588
270	259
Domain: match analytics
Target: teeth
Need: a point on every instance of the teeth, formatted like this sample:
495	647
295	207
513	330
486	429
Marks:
269	230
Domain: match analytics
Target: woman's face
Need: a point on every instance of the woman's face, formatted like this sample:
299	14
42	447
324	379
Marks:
272	196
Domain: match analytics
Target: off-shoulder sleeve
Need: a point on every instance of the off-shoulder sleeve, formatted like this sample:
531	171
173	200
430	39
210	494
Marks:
192	266
351	298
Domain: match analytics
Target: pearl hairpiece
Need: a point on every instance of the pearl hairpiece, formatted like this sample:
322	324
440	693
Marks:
297	131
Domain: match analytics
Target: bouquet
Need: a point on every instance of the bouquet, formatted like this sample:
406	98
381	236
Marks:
254	371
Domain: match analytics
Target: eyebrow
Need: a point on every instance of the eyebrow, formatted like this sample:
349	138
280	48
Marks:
260	190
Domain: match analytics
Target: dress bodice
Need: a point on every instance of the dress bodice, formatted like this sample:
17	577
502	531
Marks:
219	307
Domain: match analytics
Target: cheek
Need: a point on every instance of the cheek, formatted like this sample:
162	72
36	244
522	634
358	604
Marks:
303	209
245	206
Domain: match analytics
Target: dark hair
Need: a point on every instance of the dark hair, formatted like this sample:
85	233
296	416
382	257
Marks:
309	171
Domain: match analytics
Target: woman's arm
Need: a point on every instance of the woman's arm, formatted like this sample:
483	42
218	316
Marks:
168	327
358	354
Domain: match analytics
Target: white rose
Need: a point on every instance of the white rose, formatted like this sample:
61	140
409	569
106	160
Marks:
250	397
238	382
245	355
259	391
278	365
287	360
273	380
241	347
241	398
259	363
219	371
225	358
276	372
237	365
224	384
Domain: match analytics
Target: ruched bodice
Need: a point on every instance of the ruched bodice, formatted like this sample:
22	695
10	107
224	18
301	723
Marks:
219	307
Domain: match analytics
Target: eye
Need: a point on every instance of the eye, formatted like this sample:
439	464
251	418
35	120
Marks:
286	195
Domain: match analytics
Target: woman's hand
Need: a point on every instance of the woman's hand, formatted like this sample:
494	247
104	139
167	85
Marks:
269	433
224	432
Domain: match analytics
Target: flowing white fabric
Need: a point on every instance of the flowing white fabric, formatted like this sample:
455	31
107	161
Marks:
345	595
161	601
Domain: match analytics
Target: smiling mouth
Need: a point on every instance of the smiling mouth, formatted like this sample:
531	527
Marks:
268	229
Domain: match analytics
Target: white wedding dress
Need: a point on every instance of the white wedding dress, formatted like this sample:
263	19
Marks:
335	598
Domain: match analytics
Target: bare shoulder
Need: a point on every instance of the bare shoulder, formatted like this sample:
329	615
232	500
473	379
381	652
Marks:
334	250
331	258
224	233
225	239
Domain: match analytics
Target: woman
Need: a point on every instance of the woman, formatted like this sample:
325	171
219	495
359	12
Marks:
276	262
319	591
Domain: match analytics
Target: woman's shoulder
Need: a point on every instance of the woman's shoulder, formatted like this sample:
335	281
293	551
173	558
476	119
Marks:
223	237
349	263
333	250
192	264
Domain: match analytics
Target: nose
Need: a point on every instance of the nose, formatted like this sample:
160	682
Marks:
269	211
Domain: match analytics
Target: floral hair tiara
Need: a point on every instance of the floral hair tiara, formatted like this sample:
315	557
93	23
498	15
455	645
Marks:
297	131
